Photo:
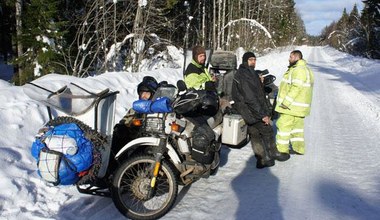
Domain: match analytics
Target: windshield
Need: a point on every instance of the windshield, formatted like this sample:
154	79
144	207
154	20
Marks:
166	91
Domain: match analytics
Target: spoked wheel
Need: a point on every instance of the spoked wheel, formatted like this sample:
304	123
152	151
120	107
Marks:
133	195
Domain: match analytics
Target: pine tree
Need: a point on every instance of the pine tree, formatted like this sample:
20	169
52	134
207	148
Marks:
342	31
356	36
371	22
43	32
6	27
285	23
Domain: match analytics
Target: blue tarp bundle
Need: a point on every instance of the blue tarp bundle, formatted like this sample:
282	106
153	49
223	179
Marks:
160	105
71	160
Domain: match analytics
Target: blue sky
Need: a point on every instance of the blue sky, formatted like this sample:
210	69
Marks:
317	14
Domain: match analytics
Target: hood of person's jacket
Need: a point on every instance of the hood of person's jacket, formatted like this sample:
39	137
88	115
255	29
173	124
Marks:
247	68
197	64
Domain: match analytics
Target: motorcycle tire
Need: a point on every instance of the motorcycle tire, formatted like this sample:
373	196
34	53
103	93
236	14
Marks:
131	192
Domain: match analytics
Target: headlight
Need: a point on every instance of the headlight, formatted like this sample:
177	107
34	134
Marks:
154	125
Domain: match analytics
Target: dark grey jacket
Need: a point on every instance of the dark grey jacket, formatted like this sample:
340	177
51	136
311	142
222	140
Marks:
248	95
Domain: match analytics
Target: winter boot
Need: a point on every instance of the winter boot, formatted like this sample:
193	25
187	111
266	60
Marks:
276	155
280	156
262	163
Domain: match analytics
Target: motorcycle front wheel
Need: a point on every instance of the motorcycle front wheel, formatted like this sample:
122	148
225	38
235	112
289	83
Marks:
132	194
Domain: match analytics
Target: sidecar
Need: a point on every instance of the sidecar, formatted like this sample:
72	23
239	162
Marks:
76	108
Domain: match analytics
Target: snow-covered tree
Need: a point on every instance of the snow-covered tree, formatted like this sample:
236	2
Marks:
356	35
371	23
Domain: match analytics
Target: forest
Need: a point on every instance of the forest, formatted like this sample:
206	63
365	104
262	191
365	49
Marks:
89	37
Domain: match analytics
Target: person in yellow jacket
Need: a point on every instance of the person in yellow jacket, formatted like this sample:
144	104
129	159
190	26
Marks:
294	104
196	74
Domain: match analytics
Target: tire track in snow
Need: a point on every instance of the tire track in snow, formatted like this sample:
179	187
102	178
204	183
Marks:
367	100
350	135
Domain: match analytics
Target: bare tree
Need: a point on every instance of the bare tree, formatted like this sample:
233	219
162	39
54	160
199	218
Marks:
214	25
19	34
103	29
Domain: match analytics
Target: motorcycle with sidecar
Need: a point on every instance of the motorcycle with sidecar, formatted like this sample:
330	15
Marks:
143	176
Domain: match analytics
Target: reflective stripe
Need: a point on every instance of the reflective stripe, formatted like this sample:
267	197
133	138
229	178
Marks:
300	104
283	133
301	83
297	139
289	98
280	100
287	81
282	141
297	131
291	132
298	81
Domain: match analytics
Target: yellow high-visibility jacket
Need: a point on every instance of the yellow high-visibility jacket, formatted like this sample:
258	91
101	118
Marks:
196	76
296	90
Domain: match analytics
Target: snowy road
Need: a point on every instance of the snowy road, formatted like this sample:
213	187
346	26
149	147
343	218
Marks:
337	178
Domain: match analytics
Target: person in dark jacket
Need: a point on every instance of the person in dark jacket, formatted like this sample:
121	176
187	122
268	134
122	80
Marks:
250	101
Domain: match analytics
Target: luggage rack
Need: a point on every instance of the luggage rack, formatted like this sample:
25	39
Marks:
75	100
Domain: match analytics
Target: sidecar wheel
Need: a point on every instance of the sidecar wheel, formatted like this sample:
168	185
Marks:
131	189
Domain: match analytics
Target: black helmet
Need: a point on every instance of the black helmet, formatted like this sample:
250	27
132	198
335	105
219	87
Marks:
149	84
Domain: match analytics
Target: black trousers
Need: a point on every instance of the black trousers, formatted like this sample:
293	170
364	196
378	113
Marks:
262	140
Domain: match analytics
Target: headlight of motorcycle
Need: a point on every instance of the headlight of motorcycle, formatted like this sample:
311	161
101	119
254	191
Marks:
154	124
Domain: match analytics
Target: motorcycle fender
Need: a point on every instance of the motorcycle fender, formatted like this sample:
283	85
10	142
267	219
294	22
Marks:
173	154
149	141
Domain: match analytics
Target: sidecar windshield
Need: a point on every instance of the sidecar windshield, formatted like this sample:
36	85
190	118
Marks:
70	99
